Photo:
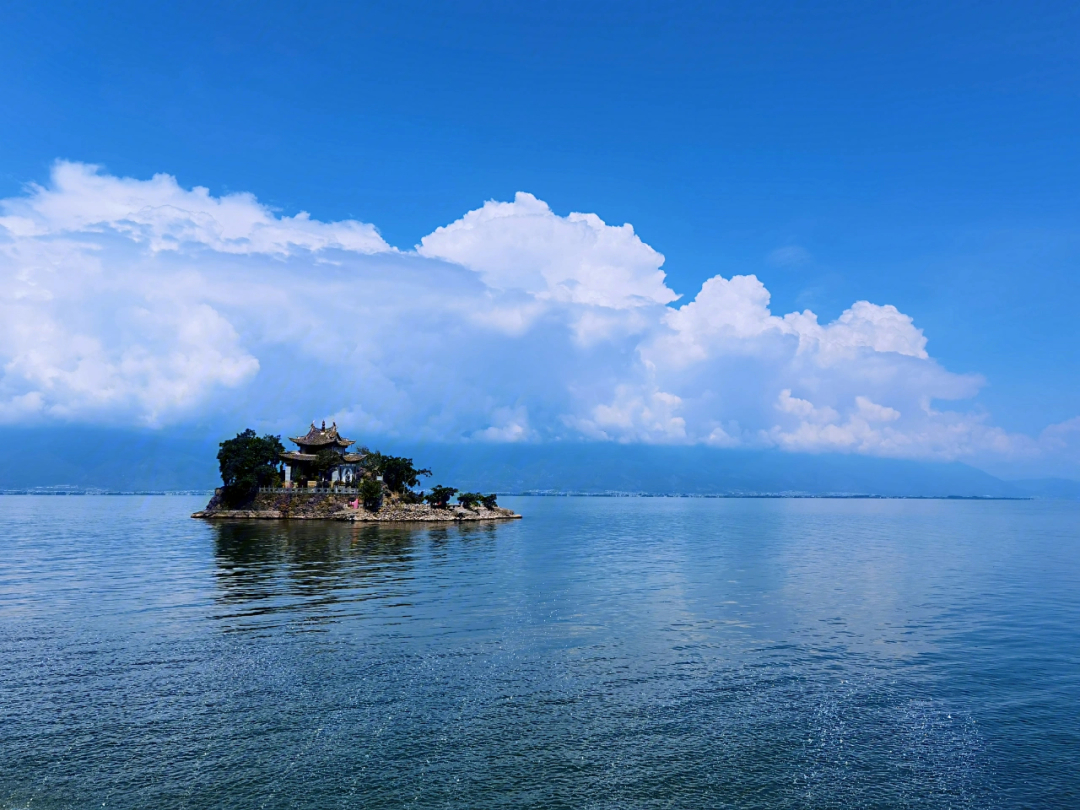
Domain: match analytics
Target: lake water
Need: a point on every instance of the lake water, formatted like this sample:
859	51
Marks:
601	653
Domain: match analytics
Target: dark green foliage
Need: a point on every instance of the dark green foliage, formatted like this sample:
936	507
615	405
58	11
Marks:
247	463
324	463
371	493
440	496
411	496
469	499
398	473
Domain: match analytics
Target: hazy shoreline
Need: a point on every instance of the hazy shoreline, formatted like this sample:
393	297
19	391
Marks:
549	494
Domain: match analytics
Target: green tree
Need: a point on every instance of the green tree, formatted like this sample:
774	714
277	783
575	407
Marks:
469	499
398	473
440	496
247	463
489	501
324	463
371	493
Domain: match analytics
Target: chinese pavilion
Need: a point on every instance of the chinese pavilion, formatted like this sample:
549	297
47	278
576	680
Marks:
300	464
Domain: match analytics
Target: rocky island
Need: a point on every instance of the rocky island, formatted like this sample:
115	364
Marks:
323	480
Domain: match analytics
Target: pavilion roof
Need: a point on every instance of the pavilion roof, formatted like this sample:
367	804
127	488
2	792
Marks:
347	458
322	437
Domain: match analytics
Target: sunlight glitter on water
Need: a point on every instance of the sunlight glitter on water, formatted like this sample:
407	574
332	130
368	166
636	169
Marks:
601	652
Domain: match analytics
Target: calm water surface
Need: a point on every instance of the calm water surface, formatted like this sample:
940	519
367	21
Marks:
601	653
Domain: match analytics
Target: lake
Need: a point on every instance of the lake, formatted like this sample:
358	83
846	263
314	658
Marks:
600	653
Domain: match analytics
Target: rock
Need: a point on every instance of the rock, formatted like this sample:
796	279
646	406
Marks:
299	505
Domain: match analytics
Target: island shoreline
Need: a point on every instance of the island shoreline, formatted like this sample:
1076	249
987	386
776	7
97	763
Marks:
248	514
343	507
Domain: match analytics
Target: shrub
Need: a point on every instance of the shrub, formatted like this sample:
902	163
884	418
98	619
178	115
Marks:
469	499
371	493
489	501
440	496
324	464
398	473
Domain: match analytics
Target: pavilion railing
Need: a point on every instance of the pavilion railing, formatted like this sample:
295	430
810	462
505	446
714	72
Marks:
310	490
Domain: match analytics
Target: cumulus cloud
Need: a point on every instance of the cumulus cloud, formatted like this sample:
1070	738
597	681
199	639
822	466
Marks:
577	258
141	301
165	216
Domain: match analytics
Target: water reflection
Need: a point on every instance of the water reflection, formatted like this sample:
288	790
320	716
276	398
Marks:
265	568
601	653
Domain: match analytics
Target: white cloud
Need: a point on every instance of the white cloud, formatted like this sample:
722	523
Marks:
80	340
881	328
726	314
578	258
634	416
510	425
140	301
730	312
872	412
1064	436
165	216
804	409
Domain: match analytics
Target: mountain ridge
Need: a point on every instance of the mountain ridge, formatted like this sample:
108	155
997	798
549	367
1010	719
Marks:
132	460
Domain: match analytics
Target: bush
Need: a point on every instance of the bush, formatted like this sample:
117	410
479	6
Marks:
398	473
247	463
324	464
469	499
489	501
440	496
371	493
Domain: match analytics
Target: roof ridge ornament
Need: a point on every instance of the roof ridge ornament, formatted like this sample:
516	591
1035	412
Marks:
320	437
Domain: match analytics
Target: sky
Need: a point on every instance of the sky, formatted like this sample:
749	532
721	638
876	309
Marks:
815	227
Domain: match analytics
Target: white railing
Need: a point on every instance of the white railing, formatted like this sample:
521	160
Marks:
306	490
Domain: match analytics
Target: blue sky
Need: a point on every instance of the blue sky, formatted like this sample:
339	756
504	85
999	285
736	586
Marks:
910	155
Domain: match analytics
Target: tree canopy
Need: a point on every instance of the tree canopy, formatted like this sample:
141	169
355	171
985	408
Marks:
440	496
325	462
398	473
470	500
247	463
371	492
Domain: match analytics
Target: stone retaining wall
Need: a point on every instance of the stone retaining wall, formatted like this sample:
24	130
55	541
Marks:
328	506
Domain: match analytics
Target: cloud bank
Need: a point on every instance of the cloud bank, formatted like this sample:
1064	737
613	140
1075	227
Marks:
139	301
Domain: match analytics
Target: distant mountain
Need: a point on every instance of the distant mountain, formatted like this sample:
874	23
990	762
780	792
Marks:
1048	488
127	460
123	460
598	468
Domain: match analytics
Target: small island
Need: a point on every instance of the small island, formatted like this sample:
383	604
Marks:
323	480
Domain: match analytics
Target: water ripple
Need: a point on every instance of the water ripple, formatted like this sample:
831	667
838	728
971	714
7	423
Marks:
623	653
